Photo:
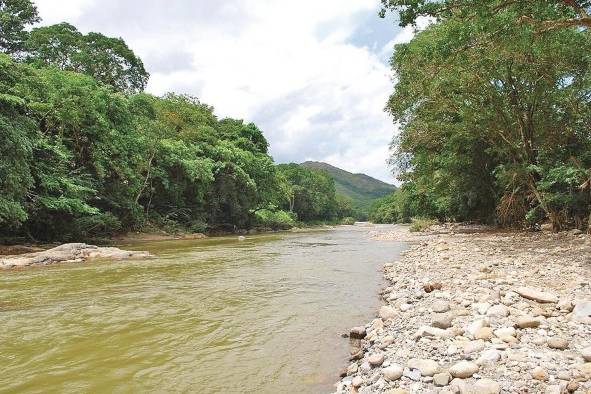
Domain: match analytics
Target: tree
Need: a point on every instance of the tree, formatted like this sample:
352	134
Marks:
108	60
15	15
566	13
489	120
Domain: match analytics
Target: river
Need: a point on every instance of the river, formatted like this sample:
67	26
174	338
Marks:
264	315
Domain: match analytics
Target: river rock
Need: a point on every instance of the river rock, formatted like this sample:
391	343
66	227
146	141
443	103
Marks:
387	312
499	310
428	331
485	333
538	373
582	312
527	321
72	252
487	386
476	325
473	347
490	356
375	360
505	332
440	306
557	343
425	366
393	372
357	333
463	369
537	295
586	353
441	379
357	381
442	320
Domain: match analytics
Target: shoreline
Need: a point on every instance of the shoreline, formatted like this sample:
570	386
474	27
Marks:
469	309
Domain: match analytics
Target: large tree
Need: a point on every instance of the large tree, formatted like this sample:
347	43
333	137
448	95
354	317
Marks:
108	60
15	15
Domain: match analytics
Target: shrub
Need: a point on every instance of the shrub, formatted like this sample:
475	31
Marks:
421	224
348	220
277	220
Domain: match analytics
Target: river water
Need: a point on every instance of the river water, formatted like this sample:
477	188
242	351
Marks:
210	316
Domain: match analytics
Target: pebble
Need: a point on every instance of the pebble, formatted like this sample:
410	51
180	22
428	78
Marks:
442	320
586	353
487	386
387	312
440	306
463	369
538	373
357	381
441	379
425	366
499	310
393	372
485	333
527	322
375	360
537	295
557	343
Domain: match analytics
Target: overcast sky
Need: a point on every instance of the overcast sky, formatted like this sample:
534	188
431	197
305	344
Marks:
312	74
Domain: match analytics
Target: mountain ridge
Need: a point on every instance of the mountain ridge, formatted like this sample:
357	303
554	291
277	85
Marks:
361	188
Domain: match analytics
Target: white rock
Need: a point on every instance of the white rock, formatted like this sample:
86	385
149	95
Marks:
387	312
463	369
393	372
499	310
473	347
582	312
476	325
505	332
586	353
489	357
537	295
487	386
425	366
375	360
357	381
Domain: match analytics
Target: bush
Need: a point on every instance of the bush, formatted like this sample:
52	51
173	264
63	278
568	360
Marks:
348	221
421	224
277	220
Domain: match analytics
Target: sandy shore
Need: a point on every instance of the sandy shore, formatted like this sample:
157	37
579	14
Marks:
473	310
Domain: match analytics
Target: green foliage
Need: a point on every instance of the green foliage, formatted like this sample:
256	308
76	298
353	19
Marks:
312	195
348	221
108	60
421	224
494	113
15	15
276	220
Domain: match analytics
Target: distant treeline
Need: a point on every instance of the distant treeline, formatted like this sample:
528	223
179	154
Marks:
85	153
493	100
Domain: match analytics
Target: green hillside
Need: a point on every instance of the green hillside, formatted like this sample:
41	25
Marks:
360	188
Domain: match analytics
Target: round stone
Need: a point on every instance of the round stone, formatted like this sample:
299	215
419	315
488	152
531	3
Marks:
463	369
375	360
393	372
558	343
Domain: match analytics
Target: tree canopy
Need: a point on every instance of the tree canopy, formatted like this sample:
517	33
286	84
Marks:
495	114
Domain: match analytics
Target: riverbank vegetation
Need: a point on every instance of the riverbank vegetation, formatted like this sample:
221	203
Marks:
86	153
493	100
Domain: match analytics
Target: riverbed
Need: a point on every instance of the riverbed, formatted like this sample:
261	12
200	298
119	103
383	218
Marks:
263	315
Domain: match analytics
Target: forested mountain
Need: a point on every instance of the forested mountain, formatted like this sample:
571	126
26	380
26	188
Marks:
360	188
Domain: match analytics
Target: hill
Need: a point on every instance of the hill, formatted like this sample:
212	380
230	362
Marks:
360	188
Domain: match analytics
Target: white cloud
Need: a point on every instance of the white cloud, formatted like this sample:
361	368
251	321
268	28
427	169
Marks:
290	66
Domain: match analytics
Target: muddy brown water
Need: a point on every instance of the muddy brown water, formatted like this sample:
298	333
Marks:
264	315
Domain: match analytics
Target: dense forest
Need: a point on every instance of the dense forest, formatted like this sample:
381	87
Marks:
493	103
86	153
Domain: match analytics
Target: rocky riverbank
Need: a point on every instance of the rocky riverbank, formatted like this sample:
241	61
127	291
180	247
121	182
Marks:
472	310
68	253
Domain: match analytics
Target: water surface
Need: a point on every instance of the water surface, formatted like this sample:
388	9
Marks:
210	316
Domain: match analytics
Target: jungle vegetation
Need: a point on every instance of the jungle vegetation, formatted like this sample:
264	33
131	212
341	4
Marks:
86	153
493	103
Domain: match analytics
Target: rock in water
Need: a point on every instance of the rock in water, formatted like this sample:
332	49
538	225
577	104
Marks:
463	369
73	252
357	333
537	295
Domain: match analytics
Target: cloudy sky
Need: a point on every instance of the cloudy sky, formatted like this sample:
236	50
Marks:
312	74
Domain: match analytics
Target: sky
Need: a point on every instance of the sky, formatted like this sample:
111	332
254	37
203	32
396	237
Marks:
312	74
